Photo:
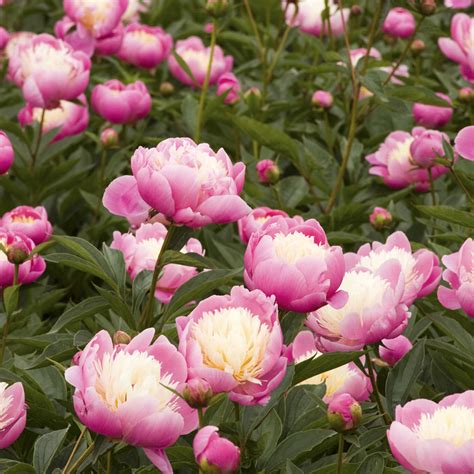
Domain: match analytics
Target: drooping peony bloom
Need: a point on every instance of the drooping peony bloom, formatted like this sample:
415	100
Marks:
4	37
29	271
190	184
254	221
427	146
460	47
392	350
308	17
459	274
399	23
322	99
380	218
435	437
141	250
134	8
196	56
421	269
268	171
373	310
344	413
291	259
7	155
235	343
215	454
69	117
433	116
464	143
49	70
119	103
12	412
145	46
394	164
345	379
30	221
230	85
121	392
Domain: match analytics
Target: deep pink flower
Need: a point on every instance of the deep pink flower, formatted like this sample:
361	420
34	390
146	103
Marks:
215	454
119	392
254	221
48	70
322	99
196	56
434	437
427	146
459	274
267	171
79	39
392	350
464	143
235	343
30	221
460	47
13	412
7	155
230	85
190	184
344	412
141	250
145	46
110	44
433	116
29	271
69	117
119	103
380	218
4	37
291	259
399	23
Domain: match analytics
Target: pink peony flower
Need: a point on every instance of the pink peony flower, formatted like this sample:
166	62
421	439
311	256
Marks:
459	47
254	221
291	259
69	117
427	146
421	269
13	412
7	155
308	17
399	23
29	271
48	70
79	39
17	39
230	85
190	184
196	56
322	99
380	218
433	116
392	350
121	392
119	103
459	274
141	251
111	43
344	413
435	437
463	143
268	171
234	342
145	46
458	3
30	221
215	454
4	37
345	379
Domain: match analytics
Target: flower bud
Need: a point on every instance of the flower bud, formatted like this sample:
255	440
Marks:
344	413
427	7
380	363
380	218
356	10
209	28
253	99
268	171
322	99
109	138
427	146
217	8
417	46
166	89
197	393
121	337
465	94
393	350
17	252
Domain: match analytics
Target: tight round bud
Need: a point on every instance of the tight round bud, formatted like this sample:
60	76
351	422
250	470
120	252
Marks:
356	10
380	218
18	252
197	393
166	89
427	7
418	46
322	99
121	337
344	413
466	94
109	138
268	171
217	8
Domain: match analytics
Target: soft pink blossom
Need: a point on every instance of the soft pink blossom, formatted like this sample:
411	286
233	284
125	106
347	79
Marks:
30	221
230	85
254	221
13	414
7	155
433	116
392	350
427	146
291	259
464	143
380	218
235	343
399	23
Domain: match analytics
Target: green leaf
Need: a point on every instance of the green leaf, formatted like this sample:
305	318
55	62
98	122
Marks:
291	468
373	464
46	447
185	67
292	190
417	94
189	111
19	468
448	214
267	436
10	298
187	259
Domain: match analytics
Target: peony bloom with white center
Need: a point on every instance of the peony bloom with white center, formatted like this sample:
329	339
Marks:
121	392
234	342
373	310
459	274
48	70
12	413
308	16
141	251
190	184
291	259
435	437
254	221
345	379
421	270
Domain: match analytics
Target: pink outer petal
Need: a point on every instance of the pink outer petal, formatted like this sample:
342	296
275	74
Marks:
465	295
224	209
141	341
201	440
403	444
303	345
156	191
448	298
464	143
409	415
451	50
160	460
12	432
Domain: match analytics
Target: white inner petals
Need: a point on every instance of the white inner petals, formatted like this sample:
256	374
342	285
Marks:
454	424
143	36
93	12
401	151
3	245
5	402
200	57
293	247
53	118
43	57
233	340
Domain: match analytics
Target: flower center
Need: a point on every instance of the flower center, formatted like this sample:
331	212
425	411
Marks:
5	403
454	424
200	57
53	118
43	57
93	12
143	37
233	340
293	247
401	151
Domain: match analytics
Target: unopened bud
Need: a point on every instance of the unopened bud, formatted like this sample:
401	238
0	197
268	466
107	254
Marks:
18	252
417	46
344	413
197	393
217	8
380	363
253	99
121	337
166	89
389	39
268	171
322	99
380	218
427	7
356	10
466	94
109	138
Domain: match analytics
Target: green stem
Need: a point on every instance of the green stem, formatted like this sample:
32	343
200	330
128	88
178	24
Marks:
200	417
237	412
254	26
340	453
374	28
432	189
103	162
205	86
109	462
81	459
74	449
34	154
16	272
376	393
7	320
